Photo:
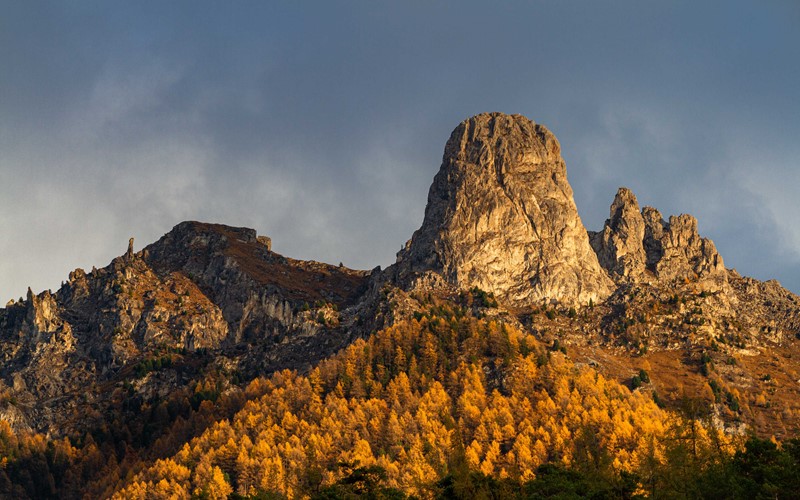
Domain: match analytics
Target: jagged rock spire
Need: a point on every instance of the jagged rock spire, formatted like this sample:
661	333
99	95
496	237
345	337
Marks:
633	243
619	245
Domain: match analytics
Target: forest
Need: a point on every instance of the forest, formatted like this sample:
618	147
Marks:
446	404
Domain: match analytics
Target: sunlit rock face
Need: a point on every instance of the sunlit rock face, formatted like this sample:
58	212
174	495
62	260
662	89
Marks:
620	245
501	216
642	246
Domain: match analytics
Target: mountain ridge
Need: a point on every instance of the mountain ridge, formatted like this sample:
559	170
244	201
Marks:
180	327
500	218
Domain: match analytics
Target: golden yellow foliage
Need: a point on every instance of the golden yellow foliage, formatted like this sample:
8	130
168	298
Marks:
407	399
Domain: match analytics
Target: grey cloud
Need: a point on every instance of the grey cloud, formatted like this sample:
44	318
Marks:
323	124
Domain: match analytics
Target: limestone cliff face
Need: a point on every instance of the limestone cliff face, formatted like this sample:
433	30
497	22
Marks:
501	216
642	246
684	253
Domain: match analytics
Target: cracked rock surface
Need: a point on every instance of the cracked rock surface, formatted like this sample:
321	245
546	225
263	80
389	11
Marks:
501	217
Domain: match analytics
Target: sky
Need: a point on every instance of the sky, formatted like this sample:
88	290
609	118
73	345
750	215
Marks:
322	124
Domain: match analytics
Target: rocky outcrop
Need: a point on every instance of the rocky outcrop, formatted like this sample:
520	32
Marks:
501	217
42	347
642	246
258	291
266	241
620	245
680	252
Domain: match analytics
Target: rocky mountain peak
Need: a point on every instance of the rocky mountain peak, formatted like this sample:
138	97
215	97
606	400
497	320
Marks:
501	216
684	253
620	245
642	246
624	207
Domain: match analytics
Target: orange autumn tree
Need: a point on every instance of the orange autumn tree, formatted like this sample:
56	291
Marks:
413	400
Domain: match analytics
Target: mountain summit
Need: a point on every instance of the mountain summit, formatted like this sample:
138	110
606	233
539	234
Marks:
501	217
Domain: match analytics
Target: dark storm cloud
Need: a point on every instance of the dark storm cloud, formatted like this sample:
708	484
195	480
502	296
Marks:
323	124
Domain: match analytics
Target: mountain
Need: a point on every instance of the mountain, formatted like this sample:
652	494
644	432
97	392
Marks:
501	217
126	364
202	288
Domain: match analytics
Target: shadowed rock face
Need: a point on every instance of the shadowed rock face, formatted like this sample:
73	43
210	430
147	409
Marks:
501	216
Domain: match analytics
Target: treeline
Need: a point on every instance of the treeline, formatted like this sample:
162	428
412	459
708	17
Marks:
761	470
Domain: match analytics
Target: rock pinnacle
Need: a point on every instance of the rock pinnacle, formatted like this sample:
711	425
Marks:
501	216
